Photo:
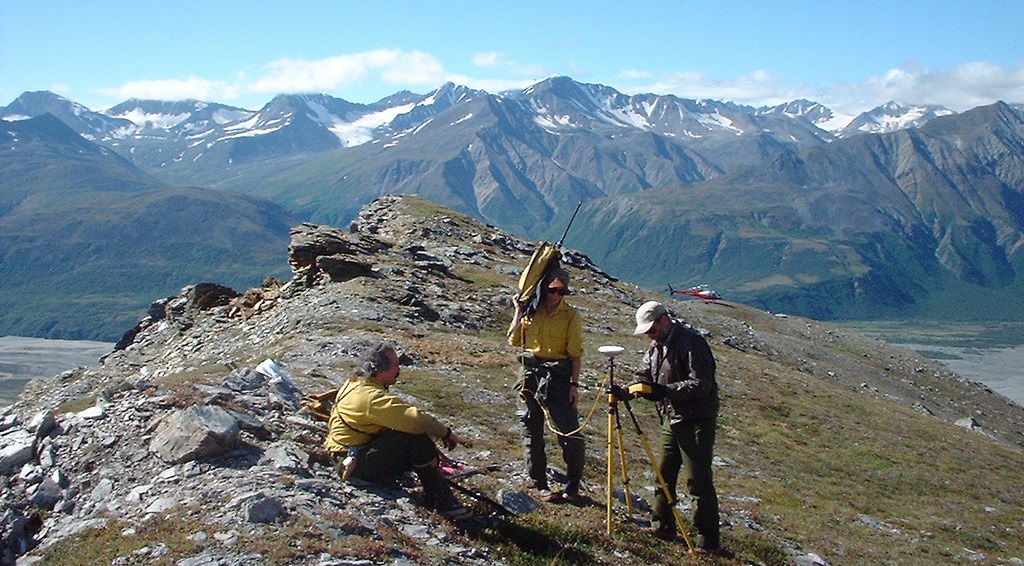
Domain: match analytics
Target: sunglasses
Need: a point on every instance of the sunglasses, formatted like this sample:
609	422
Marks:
558	291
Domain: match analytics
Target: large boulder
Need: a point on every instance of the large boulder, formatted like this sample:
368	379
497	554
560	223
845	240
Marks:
17	448
193	433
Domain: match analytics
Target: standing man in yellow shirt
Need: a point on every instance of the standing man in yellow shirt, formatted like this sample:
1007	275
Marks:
552	345
385	436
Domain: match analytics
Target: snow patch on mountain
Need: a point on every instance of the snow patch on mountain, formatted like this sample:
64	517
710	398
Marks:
225	116
716	120
254	127
835	122
463	119
140	117
628	115
554	124
361	130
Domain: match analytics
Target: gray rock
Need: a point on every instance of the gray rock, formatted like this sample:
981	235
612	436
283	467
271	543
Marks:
8	421
102	490
42	423
969	423
244	380
95	412
16	450
47	494
161	504
265	510
195	432
286	456
518	501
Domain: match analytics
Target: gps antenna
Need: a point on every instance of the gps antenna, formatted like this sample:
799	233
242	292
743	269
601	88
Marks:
564	234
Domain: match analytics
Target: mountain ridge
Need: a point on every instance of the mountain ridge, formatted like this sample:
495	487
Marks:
776	212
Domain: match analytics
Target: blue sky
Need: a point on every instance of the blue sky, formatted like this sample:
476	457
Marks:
851	55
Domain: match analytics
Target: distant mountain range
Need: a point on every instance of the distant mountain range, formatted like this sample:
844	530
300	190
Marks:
901	211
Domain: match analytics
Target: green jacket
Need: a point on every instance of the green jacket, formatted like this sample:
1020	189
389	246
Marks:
364	408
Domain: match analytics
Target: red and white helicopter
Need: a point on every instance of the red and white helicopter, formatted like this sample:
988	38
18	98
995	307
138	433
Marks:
700	291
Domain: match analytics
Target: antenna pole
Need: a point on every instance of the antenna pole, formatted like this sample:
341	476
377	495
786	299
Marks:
564	234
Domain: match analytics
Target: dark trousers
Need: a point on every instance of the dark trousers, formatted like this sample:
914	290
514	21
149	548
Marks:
690	446
391	453
563	418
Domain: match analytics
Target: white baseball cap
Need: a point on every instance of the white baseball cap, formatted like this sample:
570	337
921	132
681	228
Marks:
646	316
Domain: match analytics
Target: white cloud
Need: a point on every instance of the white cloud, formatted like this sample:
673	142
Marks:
175	89
396	67
493	86
393	67
499	62
414	69
959	88
488	59
387	70
757	88
61	89
635	74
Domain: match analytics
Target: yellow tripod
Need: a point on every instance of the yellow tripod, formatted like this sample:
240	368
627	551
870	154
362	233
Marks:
614	431
615	395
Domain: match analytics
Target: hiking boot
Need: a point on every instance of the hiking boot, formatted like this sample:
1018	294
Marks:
571	498
549	496
454	510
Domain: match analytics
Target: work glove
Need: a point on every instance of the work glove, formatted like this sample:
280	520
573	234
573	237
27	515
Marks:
658	391
450	440
619	393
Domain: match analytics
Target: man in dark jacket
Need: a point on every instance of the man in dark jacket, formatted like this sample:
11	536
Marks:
679	371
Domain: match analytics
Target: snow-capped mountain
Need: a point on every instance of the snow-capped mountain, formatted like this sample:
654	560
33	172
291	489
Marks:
725	177
93	126
564	105
183	118
893	116
556	141
818	114
162	134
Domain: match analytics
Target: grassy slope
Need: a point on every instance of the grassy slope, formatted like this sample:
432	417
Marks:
811	463
819	450
87	266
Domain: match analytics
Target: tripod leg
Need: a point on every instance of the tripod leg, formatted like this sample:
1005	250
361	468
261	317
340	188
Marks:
610	474
622	462
661	479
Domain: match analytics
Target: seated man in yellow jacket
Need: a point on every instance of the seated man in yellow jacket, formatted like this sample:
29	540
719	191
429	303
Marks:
385	436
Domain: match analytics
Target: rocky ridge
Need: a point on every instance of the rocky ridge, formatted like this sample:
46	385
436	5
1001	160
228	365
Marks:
187	422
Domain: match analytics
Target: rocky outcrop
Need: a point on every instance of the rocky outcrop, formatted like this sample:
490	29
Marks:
316	250
228	447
